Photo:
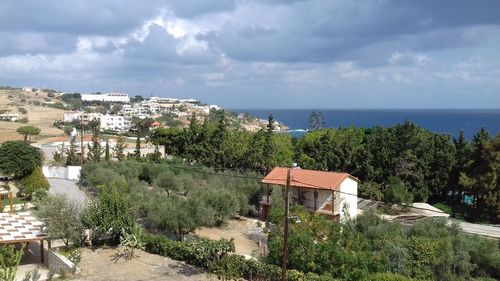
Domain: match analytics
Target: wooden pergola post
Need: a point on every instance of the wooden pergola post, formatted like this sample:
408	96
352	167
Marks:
42	255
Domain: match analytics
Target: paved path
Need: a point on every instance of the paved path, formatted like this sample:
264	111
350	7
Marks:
68	188
480	229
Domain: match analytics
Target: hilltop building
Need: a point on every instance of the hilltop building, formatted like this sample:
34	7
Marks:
107	97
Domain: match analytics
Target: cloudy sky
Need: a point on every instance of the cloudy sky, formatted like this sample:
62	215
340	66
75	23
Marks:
260	53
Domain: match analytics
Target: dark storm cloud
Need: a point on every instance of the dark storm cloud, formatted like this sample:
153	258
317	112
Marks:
327	30
194	8
82	17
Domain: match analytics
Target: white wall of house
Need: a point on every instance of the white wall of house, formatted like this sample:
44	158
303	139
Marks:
348	197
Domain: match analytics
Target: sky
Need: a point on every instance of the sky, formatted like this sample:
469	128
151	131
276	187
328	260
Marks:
260	53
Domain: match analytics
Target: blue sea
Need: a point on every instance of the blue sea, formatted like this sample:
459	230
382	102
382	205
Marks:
448	121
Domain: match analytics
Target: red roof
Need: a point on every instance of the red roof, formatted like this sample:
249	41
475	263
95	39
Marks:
155	124
307	178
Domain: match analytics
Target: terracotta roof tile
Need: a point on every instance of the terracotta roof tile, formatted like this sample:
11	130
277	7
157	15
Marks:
307	178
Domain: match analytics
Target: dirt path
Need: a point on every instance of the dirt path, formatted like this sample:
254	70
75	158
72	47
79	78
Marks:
239	230
100	265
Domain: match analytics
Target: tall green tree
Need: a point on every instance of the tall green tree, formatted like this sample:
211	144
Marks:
28	131
72	158
482	179
463	155
141	127
217	140
18	158
107	155
269	145
316	120
95	150
120	148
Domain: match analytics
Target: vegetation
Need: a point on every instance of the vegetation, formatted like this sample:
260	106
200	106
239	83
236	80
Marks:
373	249
62	218
108	215
18	158
9	262
34	182
28	131
176	199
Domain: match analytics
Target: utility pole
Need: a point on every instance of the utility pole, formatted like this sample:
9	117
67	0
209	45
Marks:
81	140
285	236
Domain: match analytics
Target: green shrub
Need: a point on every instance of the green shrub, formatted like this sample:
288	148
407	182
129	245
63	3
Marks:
34	182
386	276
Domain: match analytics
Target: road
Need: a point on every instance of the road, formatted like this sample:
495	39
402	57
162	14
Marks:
480	229
470	228
68	188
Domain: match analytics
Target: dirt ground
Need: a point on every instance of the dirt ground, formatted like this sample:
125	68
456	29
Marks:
100	264
239	230
39	116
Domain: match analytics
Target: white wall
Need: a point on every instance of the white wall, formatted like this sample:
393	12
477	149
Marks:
349	197
69	172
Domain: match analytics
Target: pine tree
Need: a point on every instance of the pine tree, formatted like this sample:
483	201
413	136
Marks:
106	152
482	177
120	148
72	158
316	121
95	151
463	152
217	141
269	146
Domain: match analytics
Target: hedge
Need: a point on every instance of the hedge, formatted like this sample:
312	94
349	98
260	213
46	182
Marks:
217	256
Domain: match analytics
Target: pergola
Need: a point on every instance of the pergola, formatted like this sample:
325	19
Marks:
4	193
21	227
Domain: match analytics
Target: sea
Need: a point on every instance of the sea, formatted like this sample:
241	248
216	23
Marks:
448	121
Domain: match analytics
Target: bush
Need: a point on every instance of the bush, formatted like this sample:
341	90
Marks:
218	258
34	182
109	214
386	276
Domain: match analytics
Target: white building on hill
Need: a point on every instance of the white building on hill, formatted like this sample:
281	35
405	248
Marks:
107	97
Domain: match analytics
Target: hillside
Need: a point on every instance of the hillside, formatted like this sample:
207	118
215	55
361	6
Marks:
28	105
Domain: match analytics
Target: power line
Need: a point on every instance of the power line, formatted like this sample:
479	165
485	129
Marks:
196	169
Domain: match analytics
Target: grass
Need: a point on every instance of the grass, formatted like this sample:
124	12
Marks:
15	200
444	207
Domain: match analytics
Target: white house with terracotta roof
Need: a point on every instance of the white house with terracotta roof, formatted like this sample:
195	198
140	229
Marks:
330	193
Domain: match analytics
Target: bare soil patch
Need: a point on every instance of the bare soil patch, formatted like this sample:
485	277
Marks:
238	229
100	264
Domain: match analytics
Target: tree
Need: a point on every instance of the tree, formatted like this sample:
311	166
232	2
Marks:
109	213
107	156
217	140
28	131
463	153
316	120
269	146
166	182
72	158
120	148
18	158
397	192
141	126
61	217
34	182
482	179
95	151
